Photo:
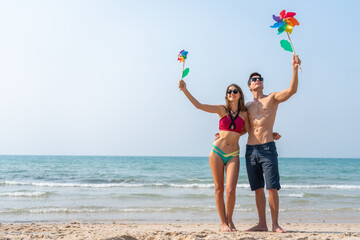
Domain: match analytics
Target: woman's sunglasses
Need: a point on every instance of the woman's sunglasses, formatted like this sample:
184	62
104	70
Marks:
235	91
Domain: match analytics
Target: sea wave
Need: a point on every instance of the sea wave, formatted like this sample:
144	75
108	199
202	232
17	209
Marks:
192	185
108	185
67	210
95	210
324	194
23	194
297	195
334	186
320	210
43	210
199	180
164	185
319	195
81	185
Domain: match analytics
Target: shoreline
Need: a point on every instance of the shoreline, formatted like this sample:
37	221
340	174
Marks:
182	221
172	230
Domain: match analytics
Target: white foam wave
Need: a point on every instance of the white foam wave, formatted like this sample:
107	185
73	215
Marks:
95	210
319	210
192	185
298	195
199	180
83	185
108	185
146	210
159	184
23	194
69	210
321	186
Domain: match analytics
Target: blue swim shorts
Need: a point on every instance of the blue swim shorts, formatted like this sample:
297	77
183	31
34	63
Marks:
262	159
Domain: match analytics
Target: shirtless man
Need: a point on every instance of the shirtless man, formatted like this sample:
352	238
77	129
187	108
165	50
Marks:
261	155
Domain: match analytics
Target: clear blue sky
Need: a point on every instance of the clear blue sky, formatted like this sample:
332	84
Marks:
101	77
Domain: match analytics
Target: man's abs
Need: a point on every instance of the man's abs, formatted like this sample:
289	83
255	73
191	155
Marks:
260	135
261	115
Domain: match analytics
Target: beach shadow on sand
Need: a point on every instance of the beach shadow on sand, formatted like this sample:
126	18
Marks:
321	232
122	238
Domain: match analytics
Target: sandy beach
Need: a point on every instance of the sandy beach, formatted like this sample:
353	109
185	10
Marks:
154	231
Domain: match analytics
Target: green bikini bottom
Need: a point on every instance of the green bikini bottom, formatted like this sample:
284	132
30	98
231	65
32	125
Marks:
224	156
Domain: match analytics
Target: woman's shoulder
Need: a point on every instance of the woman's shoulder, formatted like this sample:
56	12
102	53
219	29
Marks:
223	111
221	105
243	114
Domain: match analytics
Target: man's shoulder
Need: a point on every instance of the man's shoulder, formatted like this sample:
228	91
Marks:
248	104
270	96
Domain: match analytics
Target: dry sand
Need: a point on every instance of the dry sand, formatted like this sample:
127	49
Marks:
188	231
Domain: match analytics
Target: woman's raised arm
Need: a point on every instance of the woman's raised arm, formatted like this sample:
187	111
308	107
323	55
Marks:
219	109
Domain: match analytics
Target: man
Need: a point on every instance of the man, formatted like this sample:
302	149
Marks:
261	155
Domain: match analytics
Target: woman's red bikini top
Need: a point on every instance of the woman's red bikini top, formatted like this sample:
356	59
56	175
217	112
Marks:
230	123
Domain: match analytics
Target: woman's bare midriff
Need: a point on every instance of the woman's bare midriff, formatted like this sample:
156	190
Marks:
228	141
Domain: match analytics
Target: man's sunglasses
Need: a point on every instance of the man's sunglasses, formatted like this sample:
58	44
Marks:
235	91
257	78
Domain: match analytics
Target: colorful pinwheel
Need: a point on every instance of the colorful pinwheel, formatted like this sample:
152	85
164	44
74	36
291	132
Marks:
182	57
285	23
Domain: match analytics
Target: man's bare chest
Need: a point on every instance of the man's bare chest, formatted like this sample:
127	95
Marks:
259	109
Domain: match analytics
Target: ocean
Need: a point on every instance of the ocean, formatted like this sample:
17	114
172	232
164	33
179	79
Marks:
163	189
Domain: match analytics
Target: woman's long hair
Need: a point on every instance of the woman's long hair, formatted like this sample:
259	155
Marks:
241	103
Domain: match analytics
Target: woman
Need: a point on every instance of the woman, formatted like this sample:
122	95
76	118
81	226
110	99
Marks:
224	155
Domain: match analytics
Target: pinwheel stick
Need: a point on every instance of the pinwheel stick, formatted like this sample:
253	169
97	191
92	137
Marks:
293	48
183	70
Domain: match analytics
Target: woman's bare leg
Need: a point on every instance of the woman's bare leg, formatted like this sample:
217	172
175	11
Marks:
232	174
217	169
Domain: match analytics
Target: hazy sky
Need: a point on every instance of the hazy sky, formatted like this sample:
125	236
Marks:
101	77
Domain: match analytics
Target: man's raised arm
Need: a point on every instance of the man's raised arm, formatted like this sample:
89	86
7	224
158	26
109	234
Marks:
287	93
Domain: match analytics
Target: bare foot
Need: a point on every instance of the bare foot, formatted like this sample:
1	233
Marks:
278	229
225	228
232	226
258	228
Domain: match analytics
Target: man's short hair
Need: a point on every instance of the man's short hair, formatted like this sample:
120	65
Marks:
251	75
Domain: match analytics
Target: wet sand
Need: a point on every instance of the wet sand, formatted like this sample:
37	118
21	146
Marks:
186	231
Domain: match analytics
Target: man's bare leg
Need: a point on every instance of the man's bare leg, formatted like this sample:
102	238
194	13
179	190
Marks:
274	207
261	206
232	174
217	169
